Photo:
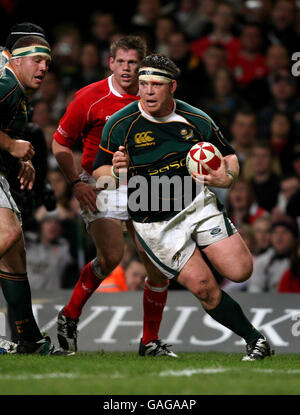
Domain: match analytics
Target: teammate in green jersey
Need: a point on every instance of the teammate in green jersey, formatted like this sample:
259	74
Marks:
152	138
24	71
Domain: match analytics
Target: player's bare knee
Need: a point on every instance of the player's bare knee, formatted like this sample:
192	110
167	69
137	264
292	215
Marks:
197	284
109	262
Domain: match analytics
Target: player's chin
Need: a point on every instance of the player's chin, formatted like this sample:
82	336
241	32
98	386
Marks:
126	82
36	83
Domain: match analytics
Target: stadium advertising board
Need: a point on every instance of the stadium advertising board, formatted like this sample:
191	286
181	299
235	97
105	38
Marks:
113	322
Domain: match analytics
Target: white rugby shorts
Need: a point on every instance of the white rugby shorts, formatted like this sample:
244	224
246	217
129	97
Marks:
110	203
6	199
170	244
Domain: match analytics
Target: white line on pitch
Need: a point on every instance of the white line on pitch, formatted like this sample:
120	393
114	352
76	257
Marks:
41	376
211	371
190	372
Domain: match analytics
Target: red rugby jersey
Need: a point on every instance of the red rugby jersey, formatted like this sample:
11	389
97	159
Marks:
86	115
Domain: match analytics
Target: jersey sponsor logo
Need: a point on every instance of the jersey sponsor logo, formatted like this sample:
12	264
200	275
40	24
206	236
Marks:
177	164
144	139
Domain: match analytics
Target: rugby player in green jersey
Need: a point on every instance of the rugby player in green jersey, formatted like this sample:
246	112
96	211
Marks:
23	72
175	224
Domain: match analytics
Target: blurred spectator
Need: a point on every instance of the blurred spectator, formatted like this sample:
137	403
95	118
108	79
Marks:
243	130
280	139
289	185
49	262
269	266
295	160
66	53
249	62
297	20
67	206
277	58
144	19
293	208
103	26
223	21
290	280
129	277
191	70
257	92
42	113
265	182
282	28
214	58
90	69
257	11
284	97
164	27
194	16
262	234
241	205
67	210
225	100
135	274
51	91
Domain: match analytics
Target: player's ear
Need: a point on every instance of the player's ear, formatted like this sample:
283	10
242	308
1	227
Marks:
17	62
173	86
111	63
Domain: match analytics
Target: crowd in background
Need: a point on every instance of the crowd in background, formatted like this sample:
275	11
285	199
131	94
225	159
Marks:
236	61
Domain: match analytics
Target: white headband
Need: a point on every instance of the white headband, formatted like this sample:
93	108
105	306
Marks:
154	74
32	50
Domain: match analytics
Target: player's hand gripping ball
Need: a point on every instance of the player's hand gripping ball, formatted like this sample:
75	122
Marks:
206	152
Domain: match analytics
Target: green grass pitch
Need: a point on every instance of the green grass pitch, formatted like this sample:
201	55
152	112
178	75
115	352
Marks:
106	373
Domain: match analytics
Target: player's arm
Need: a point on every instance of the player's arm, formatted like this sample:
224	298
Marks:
229	168
109	164
84	193
20	149
70	128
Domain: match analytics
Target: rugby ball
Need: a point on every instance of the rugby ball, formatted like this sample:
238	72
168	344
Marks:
206	152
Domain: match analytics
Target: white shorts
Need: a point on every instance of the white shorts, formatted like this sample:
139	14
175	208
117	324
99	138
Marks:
110	203
170	244
6	199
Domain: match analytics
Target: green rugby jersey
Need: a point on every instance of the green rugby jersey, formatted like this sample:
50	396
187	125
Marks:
13	112
157	148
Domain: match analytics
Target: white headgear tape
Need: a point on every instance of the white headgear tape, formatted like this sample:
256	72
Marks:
154	74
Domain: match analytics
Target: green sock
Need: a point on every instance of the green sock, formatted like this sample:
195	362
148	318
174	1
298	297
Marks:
229	313
18	296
